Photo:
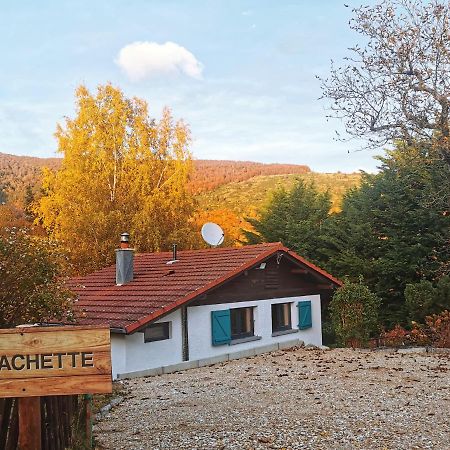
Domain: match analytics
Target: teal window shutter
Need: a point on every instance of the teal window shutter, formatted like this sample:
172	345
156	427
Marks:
221	327
304	315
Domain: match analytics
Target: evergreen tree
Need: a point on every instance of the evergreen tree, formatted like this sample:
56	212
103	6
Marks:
293	217
389	230
28	203
424	299
3	196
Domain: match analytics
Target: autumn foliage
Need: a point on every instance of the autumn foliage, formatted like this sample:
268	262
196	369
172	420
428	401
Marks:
435	331
11	216
17	173
121	171
231	224
439	326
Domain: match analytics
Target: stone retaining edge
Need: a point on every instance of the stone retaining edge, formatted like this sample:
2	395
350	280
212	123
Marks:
185	365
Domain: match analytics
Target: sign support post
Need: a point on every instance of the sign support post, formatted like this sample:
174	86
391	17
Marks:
88	409
29	423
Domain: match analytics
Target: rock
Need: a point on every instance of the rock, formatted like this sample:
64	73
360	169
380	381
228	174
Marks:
104	410
311	347
107	408
115	401
412	350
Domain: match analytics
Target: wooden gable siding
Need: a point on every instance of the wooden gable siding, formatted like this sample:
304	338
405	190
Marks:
285	279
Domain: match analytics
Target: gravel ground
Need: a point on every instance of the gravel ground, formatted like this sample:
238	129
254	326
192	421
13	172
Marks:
295	399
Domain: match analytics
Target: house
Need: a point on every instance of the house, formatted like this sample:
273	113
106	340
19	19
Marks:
169	311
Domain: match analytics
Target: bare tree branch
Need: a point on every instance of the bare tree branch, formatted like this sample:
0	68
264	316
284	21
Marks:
397	87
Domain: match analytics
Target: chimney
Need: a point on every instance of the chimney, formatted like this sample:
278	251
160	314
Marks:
124	261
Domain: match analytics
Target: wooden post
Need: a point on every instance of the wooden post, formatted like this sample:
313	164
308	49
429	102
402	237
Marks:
29	423
88	406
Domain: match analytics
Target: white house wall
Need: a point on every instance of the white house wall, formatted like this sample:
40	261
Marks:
131	354
199	320
118	352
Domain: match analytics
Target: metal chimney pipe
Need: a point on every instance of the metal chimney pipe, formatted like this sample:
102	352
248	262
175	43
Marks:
174	252
124	261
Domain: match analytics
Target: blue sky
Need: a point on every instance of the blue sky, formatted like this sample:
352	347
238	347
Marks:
241	73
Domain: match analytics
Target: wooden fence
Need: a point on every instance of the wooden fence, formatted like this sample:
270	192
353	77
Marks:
65	422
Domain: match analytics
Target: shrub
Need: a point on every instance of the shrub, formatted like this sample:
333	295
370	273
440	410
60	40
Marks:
396	337
439	325
354	313
419	335
436	332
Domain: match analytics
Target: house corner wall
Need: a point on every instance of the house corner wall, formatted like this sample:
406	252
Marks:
131	354
118	354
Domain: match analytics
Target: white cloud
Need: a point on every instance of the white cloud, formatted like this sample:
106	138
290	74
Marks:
142	60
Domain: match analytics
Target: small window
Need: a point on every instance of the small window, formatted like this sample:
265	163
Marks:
241	323
157	332
281	317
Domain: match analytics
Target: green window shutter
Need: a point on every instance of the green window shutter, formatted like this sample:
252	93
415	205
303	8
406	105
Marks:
304	315
221	327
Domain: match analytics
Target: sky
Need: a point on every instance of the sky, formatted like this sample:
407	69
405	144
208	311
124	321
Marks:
241	73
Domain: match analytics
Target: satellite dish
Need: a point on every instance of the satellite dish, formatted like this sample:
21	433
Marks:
212	234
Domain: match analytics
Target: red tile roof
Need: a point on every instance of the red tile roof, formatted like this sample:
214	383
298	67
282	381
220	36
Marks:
158	287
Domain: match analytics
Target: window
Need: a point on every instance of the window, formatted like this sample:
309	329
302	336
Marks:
241	323
157	332
233	326
281	317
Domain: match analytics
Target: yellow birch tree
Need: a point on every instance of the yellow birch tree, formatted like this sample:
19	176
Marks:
121	171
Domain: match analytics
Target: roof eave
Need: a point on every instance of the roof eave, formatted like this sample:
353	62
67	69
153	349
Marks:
312	266
213	284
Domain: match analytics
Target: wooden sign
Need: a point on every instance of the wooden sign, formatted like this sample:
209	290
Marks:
40	361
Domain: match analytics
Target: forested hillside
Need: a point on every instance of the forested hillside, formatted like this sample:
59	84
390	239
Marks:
18	172
247	197
230	204
210	174
227	191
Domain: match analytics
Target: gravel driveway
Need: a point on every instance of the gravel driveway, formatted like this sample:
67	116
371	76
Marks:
295	399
